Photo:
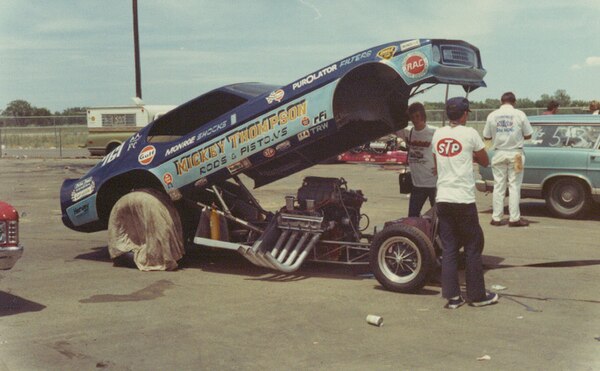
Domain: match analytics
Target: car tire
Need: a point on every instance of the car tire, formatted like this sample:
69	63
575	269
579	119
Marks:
402	258
568	198
146	223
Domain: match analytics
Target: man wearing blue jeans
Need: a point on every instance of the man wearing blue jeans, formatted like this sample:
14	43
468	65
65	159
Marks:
420	159
455	147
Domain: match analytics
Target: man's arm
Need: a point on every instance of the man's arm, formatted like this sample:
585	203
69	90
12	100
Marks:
527	129
481	157
487	130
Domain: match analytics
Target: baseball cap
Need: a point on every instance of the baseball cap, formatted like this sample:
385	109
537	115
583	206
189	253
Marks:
455	107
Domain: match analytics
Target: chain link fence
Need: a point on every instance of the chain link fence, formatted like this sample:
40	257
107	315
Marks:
65	136
43	136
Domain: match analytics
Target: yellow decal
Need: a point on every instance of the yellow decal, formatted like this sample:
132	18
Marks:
387	53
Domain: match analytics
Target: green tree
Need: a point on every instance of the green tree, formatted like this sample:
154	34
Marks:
18	108
72	111
22	110
525	102
560	96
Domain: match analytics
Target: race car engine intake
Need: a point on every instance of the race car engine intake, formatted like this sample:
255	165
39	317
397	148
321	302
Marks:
325	209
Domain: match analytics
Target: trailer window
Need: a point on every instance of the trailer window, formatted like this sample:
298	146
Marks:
118	119
193	115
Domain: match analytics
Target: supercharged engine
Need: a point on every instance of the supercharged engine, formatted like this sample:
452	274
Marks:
321	223
331	199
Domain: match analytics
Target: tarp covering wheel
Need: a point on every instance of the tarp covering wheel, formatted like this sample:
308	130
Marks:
146	223
402	258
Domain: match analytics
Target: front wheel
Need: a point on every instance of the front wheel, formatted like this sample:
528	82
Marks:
568	198
402	258
146	223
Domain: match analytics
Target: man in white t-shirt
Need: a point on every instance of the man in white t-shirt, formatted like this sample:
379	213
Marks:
507	128
420	159
455	147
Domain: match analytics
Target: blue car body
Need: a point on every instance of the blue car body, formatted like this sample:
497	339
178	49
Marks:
562	163
268	132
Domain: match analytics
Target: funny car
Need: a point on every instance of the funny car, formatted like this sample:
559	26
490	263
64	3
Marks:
178	180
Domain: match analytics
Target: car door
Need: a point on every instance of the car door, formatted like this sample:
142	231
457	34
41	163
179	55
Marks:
555	150
593	171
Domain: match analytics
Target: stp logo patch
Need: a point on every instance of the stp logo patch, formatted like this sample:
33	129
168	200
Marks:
415	65
147	155
448	147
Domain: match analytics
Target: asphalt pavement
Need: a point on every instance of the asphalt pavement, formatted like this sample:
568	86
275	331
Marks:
64	306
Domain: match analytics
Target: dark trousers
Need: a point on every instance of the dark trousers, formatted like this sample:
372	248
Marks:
459	227
418	196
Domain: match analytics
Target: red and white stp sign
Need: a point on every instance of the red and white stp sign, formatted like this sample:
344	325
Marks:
448	147
147	155
415	65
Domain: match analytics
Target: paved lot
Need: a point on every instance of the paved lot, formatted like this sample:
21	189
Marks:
65	307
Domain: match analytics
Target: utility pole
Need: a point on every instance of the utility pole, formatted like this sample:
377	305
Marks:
136	45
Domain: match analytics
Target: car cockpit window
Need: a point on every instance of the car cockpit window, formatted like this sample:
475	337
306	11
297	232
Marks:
193	115
573	136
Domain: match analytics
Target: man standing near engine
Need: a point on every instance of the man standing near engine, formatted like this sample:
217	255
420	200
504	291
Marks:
507	128
420	159
455	147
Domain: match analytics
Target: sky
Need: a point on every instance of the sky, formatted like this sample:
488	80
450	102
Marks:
62	53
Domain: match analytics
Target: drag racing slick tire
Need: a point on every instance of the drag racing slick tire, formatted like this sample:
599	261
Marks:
402	258
146	223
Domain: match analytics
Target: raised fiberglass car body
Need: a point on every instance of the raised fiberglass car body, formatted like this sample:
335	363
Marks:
268	132
562	164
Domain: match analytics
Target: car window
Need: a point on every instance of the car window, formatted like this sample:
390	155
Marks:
193	115
573	136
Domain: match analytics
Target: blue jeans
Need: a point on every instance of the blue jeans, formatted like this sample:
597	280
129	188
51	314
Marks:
418	196
458	227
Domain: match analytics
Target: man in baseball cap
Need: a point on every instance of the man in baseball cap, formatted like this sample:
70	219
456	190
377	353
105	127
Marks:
455	107
455	147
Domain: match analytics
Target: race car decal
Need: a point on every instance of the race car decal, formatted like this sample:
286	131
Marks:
410	45
415	65
147	155
82	189
113	155
275	96
313	77
179	146
168	179
355	58
133	141
84	211
199	157
269	152
387	53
